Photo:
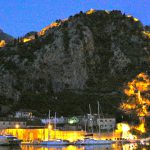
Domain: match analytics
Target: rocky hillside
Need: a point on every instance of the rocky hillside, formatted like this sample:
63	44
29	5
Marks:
4	36
89	57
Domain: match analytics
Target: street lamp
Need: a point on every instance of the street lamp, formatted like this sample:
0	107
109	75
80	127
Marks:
17	127
49	127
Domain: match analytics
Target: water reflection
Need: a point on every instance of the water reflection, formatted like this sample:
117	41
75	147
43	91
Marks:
9	148
135	146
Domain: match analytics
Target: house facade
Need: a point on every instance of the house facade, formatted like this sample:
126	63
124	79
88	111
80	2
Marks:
28	114
4	124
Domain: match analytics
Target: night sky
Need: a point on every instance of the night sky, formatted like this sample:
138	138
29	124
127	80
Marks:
17	17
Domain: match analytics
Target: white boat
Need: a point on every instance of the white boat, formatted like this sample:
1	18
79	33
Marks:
55	142
90	141
35	142
9	140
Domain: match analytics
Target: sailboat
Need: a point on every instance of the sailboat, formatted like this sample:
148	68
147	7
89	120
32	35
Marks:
91	141
56	142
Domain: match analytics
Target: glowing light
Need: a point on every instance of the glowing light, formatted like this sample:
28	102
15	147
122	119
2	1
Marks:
54	24
146	33
90	11
17	126
26	40
141	128
43	134
73	120
137	101
49	127
125	129
2	43
135	19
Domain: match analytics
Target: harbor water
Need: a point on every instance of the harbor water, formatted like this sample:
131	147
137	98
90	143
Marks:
133	146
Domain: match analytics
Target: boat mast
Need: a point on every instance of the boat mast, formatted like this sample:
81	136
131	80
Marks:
49	123
85	122
55	126
55	121
91	119
98	117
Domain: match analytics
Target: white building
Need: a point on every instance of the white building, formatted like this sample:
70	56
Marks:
60	120
12	124
24	114
106	123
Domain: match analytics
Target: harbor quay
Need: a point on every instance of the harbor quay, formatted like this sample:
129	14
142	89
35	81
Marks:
41	134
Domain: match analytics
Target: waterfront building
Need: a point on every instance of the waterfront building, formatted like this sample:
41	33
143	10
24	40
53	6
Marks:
106	123
28	114
95	121
81	122
12	124
53	120
41	134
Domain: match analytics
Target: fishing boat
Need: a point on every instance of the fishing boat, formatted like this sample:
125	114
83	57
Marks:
90	141
55	142
9	140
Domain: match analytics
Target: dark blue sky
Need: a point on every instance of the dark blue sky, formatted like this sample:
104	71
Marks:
18	17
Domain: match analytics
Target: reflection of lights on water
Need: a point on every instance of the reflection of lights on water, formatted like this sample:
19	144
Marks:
71	147
130	146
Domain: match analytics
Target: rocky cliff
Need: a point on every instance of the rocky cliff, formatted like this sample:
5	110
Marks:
89	57
4	36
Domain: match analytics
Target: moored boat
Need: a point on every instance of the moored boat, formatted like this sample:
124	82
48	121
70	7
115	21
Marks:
55	142
90	141
9	140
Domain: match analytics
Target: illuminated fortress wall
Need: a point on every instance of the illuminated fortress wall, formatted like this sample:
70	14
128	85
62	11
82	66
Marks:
45	134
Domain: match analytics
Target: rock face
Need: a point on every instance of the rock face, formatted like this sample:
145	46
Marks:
88	57
4	36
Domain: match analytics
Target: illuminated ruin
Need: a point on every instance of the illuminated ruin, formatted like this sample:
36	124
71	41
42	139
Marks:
2	43
138	99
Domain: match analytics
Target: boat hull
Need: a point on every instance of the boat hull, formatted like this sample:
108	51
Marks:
9	141
55	143
93	142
